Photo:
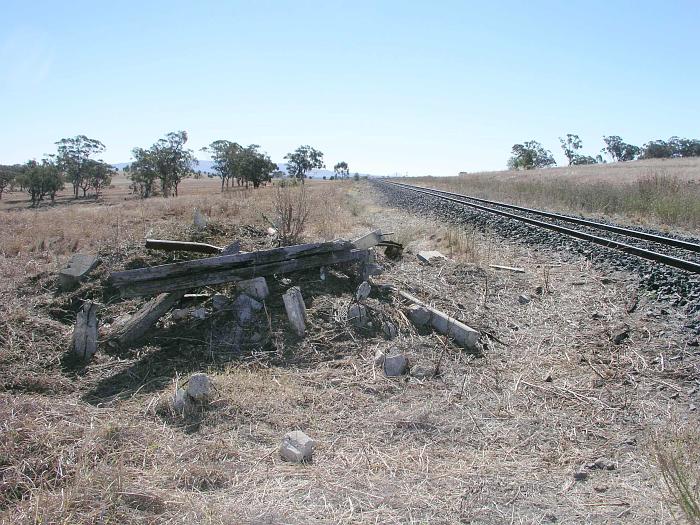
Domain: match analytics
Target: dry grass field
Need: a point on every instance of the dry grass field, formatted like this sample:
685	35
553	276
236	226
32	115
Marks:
555	423
661	193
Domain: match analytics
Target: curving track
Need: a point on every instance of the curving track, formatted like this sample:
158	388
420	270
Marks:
683	253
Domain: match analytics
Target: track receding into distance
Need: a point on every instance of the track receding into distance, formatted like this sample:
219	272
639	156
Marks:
685	253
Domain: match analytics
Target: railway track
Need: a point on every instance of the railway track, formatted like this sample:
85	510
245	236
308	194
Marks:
586	230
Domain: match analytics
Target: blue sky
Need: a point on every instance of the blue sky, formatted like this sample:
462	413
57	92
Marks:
408	87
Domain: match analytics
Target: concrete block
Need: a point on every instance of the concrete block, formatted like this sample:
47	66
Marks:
430	256
296	310
79	266
395	365
297	447
256	288
200	388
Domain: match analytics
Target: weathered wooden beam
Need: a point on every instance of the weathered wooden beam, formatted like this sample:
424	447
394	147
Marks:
465	336
508	268
196	280
85	333
136	327
226	262
368	241
182	246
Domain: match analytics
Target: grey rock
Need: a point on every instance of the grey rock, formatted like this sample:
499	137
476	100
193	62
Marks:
620	334
363	291
395	365
581	475
199	388
232	249
419	315
78	268
602	464
296	310
524	298
297	447
180	400
256	288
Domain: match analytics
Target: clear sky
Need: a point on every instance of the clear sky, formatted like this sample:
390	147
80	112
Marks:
388	86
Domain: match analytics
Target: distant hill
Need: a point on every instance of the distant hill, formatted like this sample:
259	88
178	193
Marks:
206	166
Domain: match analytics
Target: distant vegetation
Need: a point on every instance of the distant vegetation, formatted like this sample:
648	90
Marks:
156	170
532	155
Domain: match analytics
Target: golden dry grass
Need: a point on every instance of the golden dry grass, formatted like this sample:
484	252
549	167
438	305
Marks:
494	439
662	193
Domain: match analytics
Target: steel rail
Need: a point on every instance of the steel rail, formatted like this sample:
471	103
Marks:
668	260
677	243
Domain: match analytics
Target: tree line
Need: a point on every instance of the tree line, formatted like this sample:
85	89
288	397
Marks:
531	154
156	170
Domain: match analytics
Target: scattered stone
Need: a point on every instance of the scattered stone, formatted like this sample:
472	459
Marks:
322	273
395	365
596	315
199	388
430	256
363	291
85	332
620	334
199	313
539	290
199	220
548	377
602	464
389	329
297	447
296	310
245	307
271	232
256	288
357	315
581	475
524	298
78	268
419	315
422	371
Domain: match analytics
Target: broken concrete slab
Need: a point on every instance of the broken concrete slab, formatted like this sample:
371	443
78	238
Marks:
363	291
430	256
419	315
395	365
296	310
78	268
357	314
245	307
255	287
200	388
462	334
85	333
297	447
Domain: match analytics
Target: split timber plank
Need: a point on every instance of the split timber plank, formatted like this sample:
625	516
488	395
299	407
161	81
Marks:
136	327
181	246
368	241
196	280
225	262
85	332
508	268
465	336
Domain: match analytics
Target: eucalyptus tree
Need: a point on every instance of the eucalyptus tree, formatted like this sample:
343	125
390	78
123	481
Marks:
74	156
303	160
